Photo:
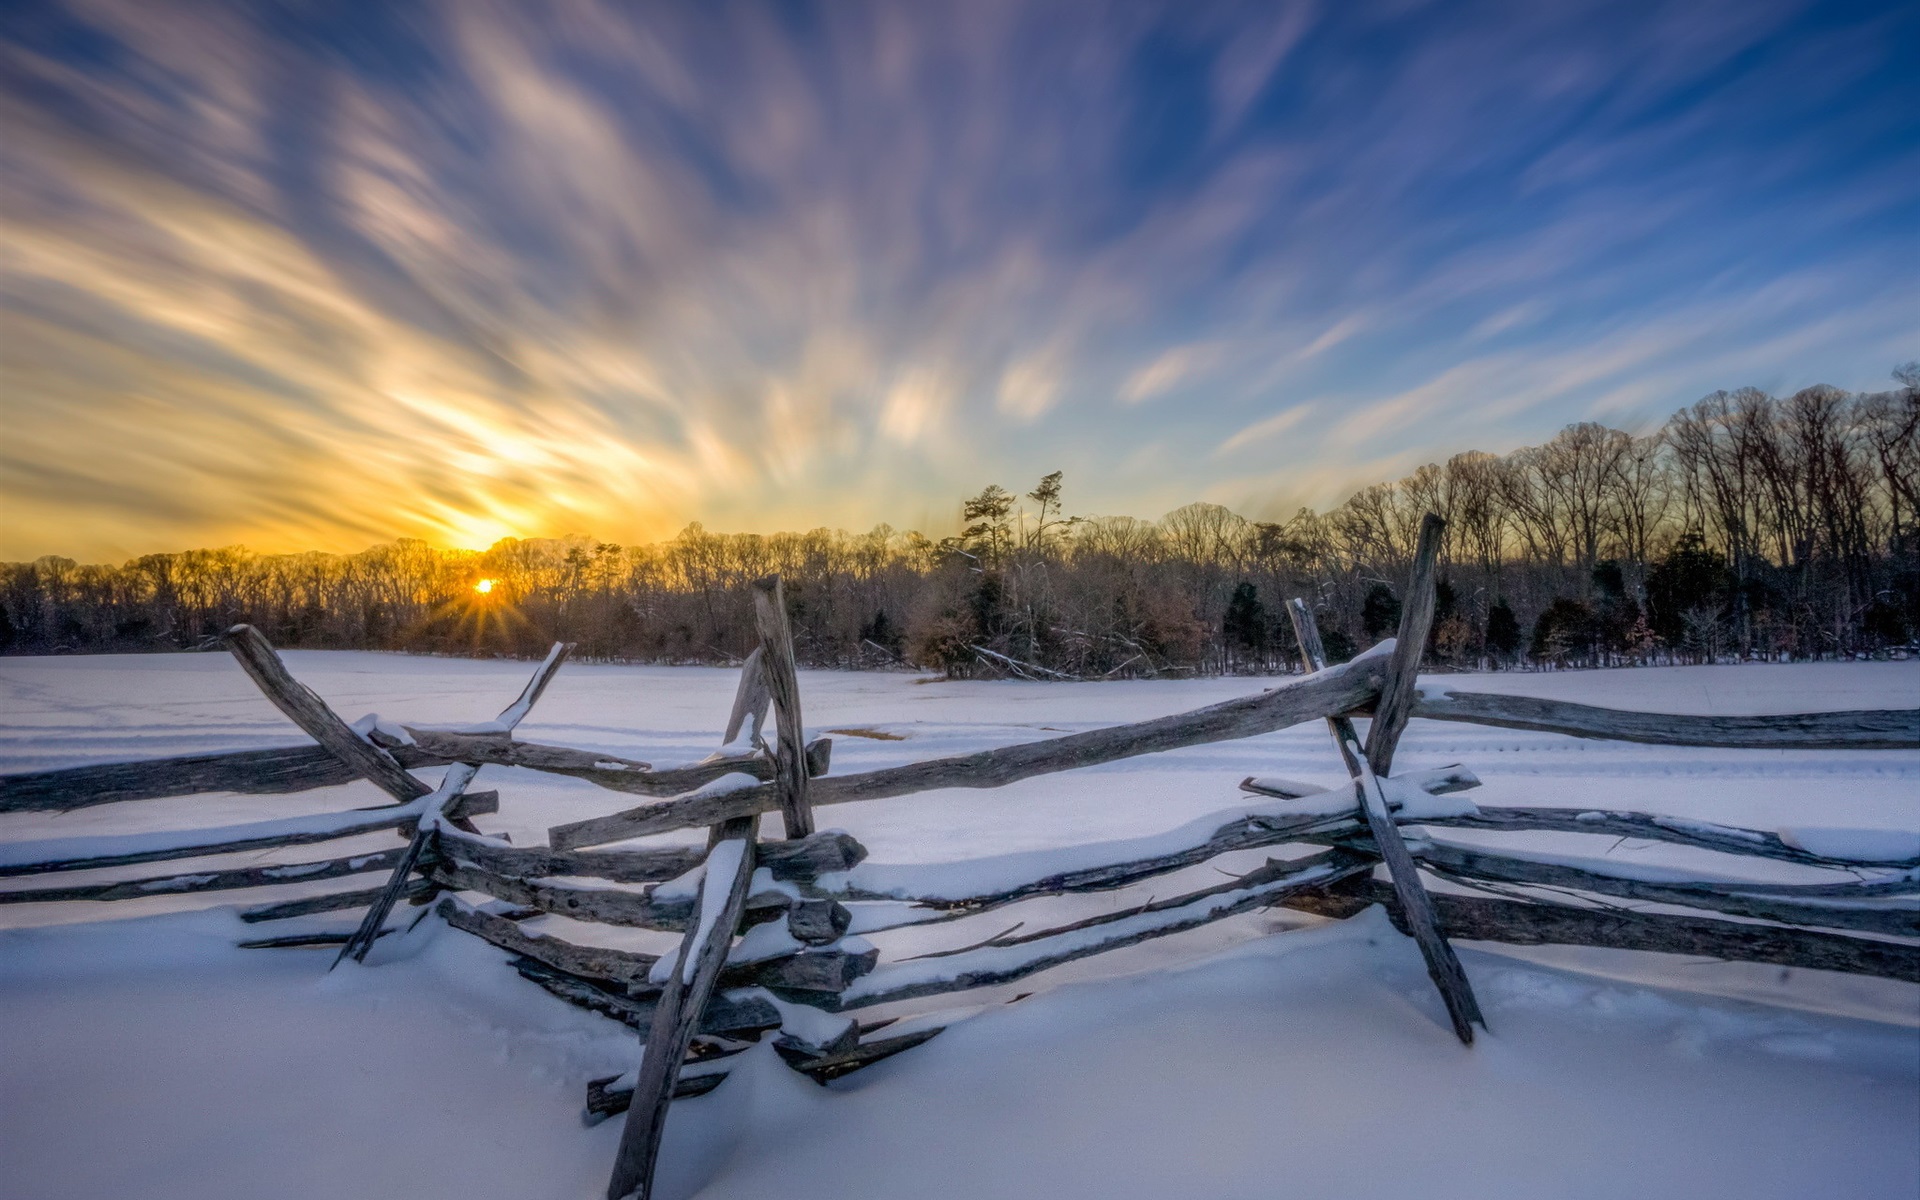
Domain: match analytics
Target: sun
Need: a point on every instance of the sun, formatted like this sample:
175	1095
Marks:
483	586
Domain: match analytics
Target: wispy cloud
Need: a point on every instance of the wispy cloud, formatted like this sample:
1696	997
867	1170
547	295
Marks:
307	277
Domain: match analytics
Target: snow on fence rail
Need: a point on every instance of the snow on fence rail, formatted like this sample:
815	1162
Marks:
773	931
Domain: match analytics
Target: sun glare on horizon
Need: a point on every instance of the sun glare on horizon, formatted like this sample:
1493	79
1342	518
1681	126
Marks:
484	586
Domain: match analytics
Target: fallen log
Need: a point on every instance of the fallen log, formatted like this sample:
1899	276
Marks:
85	853
1897	729
1475	918
1334	690
602	905
212	881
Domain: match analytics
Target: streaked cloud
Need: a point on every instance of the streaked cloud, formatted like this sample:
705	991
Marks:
314	276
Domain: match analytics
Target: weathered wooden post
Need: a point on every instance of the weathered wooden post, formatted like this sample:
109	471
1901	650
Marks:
776	659
769	673
684	994
1443	965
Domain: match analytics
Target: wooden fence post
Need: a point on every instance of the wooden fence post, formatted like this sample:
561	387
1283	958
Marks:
776	657
1409	647
1442	964
722	901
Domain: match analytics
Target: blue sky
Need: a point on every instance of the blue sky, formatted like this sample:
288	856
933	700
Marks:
316	275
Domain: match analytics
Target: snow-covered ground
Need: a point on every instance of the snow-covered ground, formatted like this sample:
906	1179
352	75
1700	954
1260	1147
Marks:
140	1053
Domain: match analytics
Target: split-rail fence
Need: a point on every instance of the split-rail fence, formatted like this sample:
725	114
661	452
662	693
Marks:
773	929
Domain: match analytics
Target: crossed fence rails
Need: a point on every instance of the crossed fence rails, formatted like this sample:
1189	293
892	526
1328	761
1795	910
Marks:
773	929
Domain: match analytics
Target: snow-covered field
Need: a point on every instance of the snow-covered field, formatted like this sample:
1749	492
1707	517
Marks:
140	1053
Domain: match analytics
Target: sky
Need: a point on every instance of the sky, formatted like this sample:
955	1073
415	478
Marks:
317	274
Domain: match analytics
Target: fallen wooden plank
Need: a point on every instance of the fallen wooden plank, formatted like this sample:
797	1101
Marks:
1476	918
1334	690
1896	729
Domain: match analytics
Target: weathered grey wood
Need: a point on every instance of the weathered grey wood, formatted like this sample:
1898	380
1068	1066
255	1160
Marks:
783	683
458	777
416	889
276	771
800	861
986	966
696	969
514	713
604	906
212	881
817	969
1409	648
604	1102
227	839
1334	690
617	966
1728	839
609	771
750	700
1476	918
300	941
829	1067
817	922
1247	833
731	1015
305	709
1829	907
1897	729
1443	965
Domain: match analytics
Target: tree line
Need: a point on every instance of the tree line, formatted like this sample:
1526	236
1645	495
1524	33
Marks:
1749	525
